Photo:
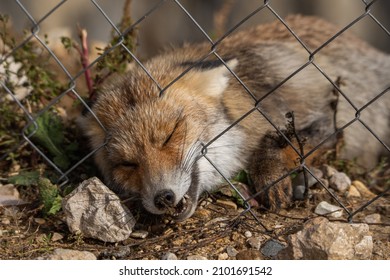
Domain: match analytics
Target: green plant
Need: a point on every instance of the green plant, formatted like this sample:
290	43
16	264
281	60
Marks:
49	133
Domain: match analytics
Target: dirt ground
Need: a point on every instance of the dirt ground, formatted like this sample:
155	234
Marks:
214	229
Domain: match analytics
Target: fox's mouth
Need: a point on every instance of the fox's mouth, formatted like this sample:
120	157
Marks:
186	206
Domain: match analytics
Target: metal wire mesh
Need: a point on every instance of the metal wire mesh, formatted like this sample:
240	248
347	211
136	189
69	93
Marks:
72	80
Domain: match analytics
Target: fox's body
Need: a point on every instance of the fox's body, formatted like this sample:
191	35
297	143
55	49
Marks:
166	146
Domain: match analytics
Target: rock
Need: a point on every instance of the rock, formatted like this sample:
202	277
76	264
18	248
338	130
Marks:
328	171
203	214
373	219
325	208
227	204
9	195
311	179
66	254
96	212
196	257
169	256
140	234
363	250
39	221
168	231
247	234
299	180
325	240
353	192
255	242
223	256
249	255
339	182
56	237
363	190
9	190
231	251
5	221
271	248
324	182
299	192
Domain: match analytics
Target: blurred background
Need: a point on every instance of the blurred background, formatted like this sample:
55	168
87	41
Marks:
169	25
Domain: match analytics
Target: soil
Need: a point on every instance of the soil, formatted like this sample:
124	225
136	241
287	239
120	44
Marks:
214	229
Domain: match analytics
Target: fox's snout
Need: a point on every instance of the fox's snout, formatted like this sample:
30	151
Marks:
164	199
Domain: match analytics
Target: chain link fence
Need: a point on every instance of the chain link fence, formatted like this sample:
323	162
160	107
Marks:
18	89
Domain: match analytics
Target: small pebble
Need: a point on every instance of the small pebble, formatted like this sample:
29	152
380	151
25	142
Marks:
364	191
325	183
329	171
231	251
5	221
169	256
196	257
15	168
271	248
223	256
278	226
9	190
56	237
66	254
340	182
255	242
299	192
140	234
373	219
203	214
168	231
40	221
353	192
325	208
247	234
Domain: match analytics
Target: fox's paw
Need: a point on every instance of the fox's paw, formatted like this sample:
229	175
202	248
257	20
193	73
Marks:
276	196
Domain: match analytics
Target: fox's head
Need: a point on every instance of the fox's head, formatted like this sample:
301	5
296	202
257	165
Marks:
149	143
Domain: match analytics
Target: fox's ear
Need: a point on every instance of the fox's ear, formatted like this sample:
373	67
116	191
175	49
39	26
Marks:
216	80
211	79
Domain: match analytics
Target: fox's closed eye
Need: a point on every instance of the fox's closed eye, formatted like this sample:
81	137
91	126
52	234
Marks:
129	164
169	137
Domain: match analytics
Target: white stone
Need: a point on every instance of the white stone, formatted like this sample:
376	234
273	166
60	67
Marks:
169	256
67	254
322	239
325	208
96	212
340	182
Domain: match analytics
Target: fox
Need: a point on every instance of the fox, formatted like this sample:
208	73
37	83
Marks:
191	117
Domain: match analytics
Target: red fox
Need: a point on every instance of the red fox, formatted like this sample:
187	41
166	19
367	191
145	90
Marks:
222	107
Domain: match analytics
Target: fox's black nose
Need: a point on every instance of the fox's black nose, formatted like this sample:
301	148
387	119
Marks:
164	199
